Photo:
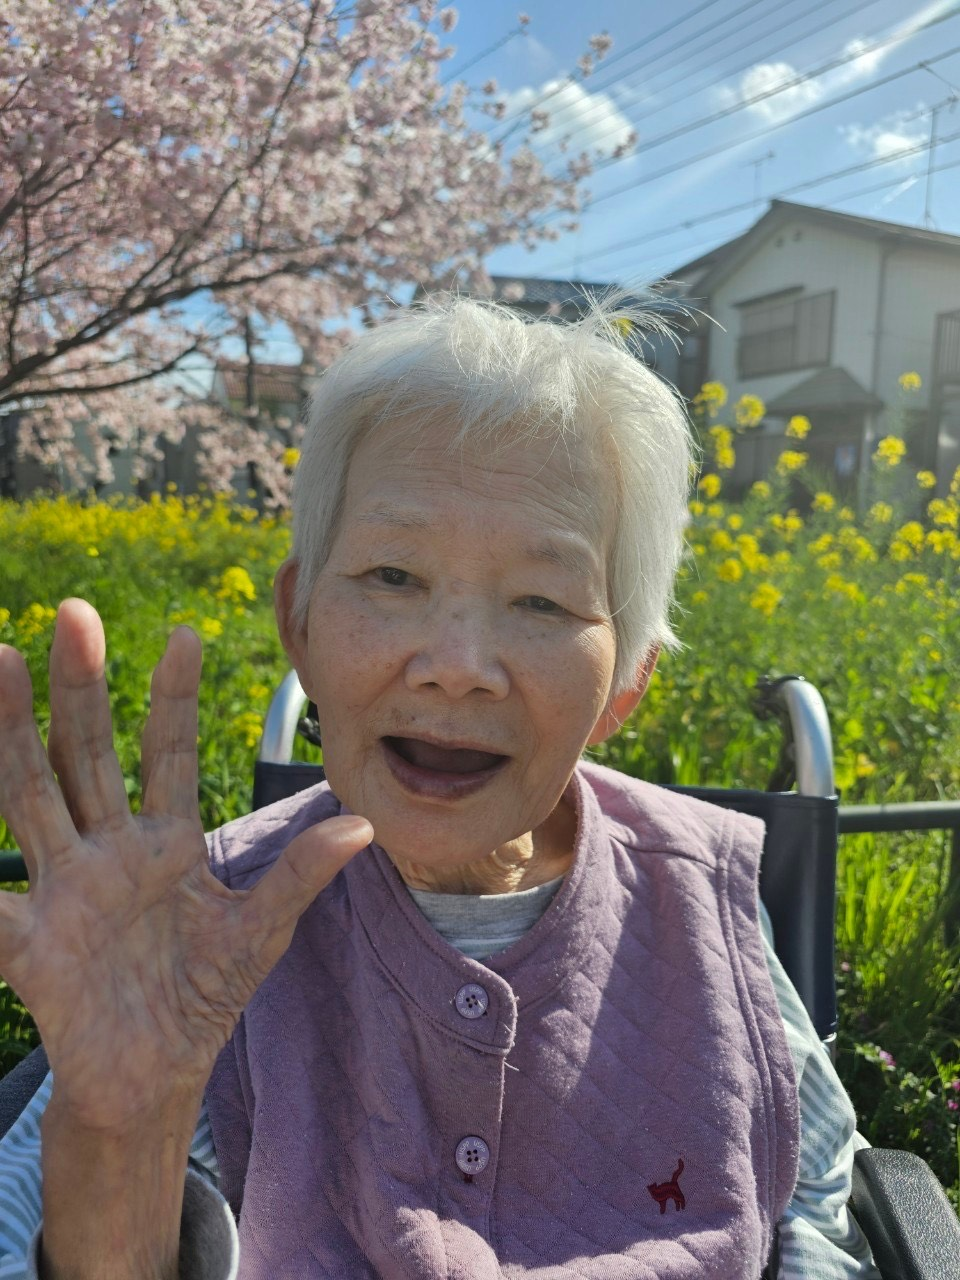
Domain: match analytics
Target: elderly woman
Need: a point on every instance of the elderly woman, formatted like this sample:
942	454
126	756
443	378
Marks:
473	1008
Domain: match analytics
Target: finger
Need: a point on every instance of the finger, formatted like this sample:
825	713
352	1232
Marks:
30	800
306	866
169	750
80	742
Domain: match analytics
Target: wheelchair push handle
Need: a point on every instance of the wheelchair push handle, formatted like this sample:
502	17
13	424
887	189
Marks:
806	752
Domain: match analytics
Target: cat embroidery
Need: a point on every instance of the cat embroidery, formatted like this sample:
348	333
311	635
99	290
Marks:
664	1191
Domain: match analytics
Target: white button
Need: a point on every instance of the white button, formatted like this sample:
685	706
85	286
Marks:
471	1001
473	1155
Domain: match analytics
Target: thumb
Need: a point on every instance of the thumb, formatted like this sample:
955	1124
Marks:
306	866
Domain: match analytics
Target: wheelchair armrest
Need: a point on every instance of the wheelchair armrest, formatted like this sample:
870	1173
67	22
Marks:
905	1215
17	1088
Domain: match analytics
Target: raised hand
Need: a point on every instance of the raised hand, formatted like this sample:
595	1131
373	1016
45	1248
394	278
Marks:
134	960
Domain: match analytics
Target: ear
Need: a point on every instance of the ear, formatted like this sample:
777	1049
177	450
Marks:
618	708
292	637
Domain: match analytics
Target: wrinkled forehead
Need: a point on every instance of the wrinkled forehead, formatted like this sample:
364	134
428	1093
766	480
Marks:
569	473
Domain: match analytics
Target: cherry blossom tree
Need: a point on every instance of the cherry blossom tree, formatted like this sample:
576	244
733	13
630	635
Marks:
170	168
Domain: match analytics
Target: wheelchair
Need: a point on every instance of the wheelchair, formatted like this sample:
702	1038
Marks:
898	1202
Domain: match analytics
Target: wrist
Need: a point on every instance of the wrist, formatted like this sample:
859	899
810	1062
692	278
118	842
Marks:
113	1195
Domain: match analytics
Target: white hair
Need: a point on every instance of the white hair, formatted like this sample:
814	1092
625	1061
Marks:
491	369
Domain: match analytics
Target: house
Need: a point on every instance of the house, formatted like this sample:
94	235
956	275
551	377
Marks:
277	390
819	314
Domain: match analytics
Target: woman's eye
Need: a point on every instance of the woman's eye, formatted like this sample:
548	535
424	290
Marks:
540	604
392	577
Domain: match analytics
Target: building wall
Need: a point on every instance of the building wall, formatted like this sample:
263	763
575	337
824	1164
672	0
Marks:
888	296
819	259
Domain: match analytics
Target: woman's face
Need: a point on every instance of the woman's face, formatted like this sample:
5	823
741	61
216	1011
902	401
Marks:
459	646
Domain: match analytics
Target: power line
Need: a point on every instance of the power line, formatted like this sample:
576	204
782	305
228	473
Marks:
851	195
816	8
484	53
572	78
746	205
800	78
762	133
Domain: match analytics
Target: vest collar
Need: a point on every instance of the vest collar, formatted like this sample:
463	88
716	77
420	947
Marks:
429	971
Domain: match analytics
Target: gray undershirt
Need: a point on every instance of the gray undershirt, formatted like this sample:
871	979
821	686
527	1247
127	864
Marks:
481	924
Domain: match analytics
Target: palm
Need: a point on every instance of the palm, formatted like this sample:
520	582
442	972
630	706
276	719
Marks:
135	961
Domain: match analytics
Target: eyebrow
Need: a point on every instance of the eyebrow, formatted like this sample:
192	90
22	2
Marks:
572	556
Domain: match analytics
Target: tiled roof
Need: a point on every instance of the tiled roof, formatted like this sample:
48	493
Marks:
831	388
279	383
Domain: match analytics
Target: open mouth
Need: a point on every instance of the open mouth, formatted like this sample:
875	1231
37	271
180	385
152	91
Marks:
440	772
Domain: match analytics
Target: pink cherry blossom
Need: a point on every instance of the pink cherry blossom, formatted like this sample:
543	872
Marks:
168	170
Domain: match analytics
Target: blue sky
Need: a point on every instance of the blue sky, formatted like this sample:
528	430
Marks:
716	55
673	65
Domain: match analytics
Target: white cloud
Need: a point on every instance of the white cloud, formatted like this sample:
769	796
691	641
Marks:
589	120
887	137
776	104
864	62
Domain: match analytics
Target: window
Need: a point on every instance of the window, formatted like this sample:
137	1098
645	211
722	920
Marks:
779	334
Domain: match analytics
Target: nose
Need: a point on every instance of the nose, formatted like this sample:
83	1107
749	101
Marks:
458	655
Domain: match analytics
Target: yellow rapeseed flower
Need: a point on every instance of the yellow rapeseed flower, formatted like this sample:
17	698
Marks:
749	410
760	489
926	479
257	692
722	437
210	628
290	458
4	617
846	513
696	507
912	534
824	502
881	512
34	620
236	585
792	523
819	545
249	726
910	381
889	451
790	460
715	510
798	428
735	521
720	540
839	586
766	598
830	560
699	597
726	459
943	513
712	396
943	541
709	485
730	570
92	552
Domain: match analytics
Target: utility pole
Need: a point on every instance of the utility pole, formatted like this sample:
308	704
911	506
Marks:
950	102
756	173
253	478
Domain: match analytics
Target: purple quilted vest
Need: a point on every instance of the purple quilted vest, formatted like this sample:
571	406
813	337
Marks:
611	1098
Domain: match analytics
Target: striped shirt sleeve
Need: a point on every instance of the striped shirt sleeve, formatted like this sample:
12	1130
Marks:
819	1237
